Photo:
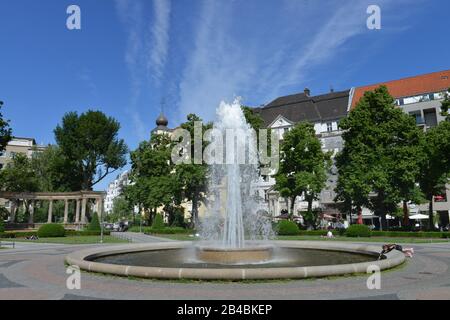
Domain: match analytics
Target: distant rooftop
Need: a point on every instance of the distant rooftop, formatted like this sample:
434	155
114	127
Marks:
411	86
303	107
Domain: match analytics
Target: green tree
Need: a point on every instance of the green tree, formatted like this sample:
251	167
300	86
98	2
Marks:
19	176
89	141
381	155
55	172
192	176
155	183
94	225
253	119
435	170
303	166
5	131
158	222
121	209
446	105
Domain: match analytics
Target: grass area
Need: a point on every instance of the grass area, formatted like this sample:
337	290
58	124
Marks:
178	237
74	240
185	237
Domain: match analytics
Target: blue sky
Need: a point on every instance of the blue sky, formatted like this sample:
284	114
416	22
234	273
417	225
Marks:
133	56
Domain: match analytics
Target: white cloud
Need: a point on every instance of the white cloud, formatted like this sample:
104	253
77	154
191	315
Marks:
222	66
130	14
159	45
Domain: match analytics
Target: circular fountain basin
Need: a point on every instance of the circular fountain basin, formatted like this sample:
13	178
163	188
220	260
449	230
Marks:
178	260
246	255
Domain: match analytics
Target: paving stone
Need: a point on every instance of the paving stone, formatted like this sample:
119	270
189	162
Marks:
6	283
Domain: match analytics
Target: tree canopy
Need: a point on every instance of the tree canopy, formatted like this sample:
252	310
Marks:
379	164
19	176
5	131
304	165
154	183
435	170
90	141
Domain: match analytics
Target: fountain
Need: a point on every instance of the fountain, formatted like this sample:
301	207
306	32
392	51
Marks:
237	239
233	179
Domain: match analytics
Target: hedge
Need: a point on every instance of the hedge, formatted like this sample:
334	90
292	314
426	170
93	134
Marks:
393	234
313	232
167	230
410	234
287	228
2	225
51	230
69	233
358	230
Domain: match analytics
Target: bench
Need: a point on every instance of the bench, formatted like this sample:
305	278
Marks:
2	243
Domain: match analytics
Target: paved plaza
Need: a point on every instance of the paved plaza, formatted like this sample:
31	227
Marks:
37	271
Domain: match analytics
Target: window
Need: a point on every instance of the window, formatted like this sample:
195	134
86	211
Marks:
430	117
329	127
418	117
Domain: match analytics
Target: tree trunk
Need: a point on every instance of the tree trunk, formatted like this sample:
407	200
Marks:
430	213
310	203
384	225
292	207
405	214
194	219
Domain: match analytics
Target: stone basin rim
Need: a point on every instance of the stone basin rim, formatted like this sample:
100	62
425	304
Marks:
79	258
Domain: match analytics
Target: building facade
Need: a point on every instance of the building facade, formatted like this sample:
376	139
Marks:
115	189
25	146
17	145
324	112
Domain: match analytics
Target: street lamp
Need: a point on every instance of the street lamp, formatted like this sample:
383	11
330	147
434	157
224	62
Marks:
101	225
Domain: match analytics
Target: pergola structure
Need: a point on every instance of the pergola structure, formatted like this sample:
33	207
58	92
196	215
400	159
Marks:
81	198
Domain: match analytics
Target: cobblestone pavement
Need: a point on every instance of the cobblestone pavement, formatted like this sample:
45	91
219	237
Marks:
37	271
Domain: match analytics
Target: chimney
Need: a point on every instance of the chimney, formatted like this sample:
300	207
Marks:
307	92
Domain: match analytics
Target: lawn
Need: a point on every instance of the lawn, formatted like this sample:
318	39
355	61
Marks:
185	237
74	240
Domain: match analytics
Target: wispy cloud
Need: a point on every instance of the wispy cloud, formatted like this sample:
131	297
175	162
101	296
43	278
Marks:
130	15
278	52
159	44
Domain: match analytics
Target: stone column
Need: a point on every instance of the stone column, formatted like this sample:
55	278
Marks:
66	210
31	216
99	208
50	211
77	212
12	211
83	210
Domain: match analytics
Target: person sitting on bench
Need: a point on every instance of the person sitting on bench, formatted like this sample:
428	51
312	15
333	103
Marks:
389	247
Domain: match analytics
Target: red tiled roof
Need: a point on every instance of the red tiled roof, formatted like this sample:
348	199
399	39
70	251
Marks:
412	86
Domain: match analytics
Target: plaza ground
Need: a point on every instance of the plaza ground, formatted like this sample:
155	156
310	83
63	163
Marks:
37	271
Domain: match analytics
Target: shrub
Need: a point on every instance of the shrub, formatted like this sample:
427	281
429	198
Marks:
51	230
2	225
313	232
158	222
287	228
94	225
168	230
358	230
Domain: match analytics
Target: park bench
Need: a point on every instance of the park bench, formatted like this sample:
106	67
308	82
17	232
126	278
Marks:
12	244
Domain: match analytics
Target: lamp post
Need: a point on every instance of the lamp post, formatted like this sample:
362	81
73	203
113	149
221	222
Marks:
101	223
